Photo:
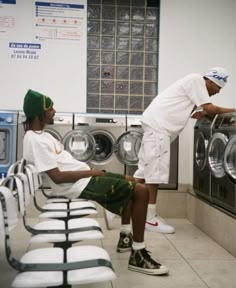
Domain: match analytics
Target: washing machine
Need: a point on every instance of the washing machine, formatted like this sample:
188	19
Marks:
133	139
201	170
8	136
221	159
63	122
95	140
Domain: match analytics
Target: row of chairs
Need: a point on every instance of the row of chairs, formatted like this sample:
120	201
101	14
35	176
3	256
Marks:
62	223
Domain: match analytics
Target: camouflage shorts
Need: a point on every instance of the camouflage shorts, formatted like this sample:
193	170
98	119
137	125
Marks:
112	192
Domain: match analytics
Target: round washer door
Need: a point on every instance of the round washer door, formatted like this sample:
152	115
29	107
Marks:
54	133
80	144
3	147
104	147
216	151
200	156
230	158
128	145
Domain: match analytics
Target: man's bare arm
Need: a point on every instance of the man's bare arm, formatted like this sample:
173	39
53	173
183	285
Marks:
210	108
59	177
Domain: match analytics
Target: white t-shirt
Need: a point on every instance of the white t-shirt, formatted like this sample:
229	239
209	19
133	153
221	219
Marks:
170	110
45	153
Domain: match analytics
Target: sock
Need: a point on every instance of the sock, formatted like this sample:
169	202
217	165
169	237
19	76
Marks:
125	228
138	245
151	213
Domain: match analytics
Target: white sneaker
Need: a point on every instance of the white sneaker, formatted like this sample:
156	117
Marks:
108	216
157	224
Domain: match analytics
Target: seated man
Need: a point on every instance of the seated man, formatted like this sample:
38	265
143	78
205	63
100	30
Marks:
74	179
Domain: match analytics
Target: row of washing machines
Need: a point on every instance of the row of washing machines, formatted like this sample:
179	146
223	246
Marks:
214	176
105	141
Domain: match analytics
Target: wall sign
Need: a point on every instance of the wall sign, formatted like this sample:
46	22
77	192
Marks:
43	47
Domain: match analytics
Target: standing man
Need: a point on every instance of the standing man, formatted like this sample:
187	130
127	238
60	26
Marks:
162	122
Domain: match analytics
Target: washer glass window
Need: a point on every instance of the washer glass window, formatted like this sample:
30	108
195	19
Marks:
128	147
230	157
216	154
104	147
201	149
3	146
80	144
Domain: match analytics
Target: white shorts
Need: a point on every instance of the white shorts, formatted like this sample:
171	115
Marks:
154	158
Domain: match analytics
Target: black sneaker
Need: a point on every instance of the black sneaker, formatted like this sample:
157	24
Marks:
125	242
141	261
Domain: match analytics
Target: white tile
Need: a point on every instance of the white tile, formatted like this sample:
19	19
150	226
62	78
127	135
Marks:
162	249
216	273
201	249
181	275
186	230
7	275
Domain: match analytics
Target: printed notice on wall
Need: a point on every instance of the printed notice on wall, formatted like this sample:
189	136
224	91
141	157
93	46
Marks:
24	51
59	21
43	47
7	17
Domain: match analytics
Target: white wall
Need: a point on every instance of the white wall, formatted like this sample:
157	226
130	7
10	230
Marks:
195	36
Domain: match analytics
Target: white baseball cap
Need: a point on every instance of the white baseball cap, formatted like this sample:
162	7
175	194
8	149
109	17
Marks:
218	75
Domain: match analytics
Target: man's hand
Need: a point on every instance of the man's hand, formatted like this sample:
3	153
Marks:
198	114
96	172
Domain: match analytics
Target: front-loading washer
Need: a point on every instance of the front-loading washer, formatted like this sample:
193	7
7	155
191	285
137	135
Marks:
134	138
8	135
63	123
201	171
223	188
95	140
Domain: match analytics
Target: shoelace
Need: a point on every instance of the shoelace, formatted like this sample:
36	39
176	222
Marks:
147	256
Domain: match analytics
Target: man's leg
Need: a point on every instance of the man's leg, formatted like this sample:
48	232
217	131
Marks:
140	259
114	194
154	156
125	221
139	211
126	238
154	222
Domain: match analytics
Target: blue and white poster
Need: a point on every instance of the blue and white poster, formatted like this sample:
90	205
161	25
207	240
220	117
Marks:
43	47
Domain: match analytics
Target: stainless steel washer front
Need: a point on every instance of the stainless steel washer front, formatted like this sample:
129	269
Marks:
80	144
221	159
230	158
63	123
104	129
216	151
8	138
201	151
129	144
201	171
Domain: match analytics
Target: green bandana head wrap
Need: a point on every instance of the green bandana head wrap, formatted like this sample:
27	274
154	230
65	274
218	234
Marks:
36	103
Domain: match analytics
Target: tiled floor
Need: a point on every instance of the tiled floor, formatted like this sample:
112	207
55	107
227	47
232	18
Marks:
194	260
